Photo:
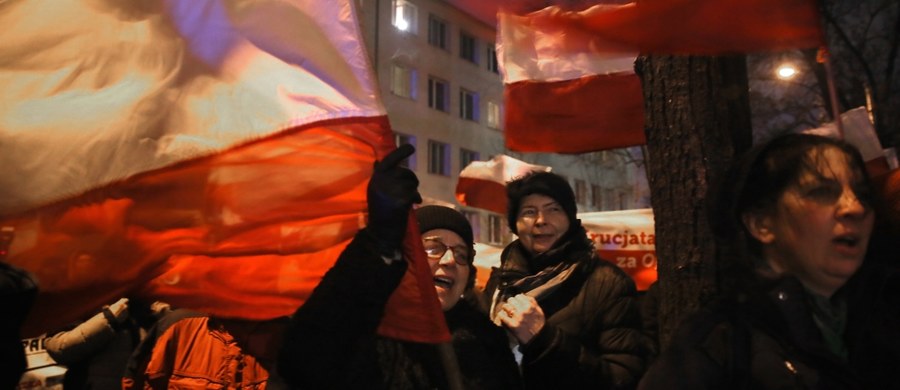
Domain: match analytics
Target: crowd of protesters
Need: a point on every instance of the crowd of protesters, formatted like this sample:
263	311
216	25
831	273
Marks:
810	299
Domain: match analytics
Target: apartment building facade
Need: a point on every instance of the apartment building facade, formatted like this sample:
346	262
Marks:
440	82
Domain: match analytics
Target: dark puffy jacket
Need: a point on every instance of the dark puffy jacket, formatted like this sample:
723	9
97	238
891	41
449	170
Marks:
592	335
332	340
768	340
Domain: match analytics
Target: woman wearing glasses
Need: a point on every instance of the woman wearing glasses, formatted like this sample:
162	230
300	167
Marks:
332	341
572	314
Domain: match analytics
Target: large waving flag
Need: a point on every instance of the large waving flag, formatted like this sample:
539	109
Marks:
213	154
566	91
570	83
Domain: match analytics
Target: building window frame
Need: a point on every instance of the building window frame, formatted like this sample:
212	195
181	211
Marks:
438	158
468	105
438	32
495	229
580	191
402	139
404	80
466	157
438	94
468	47
491	58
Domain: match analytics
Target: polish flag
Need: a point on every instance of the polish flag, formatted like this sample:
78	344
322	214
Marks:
482	184
567	91
213	154
570	82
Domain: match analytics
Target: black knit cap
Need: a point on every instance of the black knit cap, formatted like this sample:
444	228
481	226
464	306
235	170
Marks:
439	217
543	183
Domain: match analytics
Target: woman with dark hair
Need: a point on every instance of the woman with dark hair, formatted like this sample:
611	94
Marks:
573	316
799	309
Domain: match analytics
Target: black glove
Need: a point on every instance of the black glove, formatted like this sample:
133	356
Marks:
391	193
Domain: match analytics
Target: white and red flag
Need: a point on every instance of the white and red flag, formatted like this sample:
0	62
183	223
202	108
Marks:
482	184
570	82
567	91
213	154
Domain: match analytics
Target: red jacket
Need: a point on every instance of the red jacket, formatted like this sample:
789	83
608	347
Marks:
188	350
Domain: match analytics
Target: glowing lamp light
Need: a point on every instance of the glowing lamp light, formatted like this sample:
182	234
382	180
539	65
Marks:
786	71
402	24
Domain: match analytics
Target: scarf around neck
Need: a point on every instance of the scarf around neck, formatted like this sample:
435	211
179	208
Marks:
541	275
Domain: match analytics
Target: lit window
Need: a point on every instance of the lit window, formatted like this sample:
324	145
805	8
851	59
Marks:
405	16
466	157
468	47
491	57
468	105
438	94
403	139
437	32
438	158
493	115
403	81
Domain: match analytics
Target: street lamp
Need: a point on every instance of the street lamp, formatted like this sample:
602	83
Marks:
786	71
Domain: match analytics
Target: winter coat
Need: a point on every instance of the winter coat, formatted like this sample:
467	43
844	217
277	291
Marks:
592	334
767	339
332	341
190	350
18	290
95	351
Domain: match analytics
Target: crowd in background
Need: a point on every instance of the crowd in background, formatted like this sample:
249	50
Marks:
810	299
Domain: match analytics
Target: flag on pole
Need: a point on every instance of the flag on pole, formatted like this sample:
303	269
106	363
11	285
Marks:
482	184
213	154
566	91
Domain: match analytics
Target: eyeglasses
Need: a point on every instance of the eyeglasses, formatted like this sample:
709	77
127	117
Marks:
435	249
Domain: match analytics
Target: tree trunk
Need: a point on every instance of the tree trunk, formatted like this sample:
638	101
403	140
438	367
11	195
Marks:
697	117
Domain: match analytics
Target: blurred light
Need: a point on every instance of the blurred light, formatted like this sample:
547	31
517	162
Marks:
786	71
401	24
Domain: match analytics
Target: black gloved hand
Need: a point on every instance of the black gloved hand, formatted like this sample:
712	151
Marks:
391	193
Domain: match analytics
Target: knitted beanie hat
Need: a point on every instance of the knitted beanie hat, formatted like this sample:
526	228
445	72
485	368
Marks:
439	217
544	183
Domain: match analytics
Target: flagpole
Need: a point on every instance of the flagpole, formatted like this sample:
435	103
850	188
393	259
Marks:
451	365
832	90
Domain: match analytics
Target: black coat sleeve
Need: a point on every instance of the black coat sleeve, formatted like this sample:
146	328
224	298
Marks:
595	341
330	339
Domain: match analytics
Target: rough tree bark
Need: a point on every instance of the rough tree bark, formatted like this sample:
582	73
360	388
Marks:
697	117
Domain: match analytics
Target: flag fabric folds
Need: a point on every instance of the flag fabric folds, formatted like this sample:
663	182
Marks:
213	154
482	184
566	91
570	82
705	27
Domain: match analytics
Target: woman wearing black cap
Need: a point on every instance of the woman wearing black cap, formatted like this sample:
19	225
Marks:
332	341
572	314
